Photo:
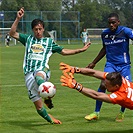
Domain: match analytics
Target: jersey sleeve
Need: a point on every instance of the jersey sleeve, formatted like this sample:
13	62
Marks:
56	48
116	98
104	75
23	38
129	33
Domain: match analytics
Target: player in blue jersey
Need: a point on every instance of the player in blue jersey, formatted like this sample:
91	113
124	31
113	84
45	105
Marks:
38	50
116	48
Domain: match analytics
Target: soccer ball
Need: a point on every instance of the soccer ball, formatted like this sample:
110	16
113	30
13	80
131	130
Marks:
47	90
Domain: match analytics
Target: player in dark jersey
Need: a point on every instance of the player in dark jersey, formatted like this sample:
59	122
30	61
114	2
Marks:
116	48
7	39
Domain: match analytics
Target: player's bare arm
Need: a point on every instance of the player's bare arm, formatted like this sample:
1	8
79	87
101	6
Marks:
69	81
96	95
13	29
100	55
92	72
75	51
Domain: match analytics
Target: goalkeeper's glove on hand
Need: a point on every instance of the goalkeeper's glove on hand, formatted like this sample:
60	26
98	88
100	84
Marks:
69	81
68	68
49	103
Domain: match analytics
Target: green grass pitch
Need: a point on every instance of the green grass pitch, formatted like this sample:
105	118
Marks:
18	115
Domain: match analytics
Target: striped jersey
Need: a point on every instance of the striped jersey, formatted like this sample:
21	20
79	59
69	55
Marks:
84	34
117	45
37	52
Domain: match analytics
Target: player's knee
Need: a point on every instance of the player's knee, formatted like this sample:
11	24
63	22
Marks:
41	74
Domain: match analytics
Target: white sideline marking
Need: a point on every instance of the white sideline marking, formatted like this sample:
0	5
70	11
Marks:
23	85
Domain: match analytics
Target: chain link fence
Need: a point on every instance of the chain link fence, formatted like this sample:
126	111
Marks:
66	24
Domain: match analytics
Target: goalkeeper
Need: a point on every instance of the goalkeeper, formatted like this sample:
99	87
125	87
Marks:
121	89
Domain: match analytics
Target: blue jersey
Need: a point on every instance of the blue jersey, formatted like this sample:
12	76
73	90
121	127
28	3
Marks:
117	45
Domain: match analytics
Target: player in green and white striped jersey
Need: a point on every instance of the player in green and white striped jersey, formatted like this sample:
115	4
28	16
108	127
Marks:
85	36
38	50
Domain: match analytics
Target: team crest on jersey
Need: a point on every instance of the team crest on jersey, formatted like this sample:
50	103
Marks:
113	95
112	37
107	36
37	48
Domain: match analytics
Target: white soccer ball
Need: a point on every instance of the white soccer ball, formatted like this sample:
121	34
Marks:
47	90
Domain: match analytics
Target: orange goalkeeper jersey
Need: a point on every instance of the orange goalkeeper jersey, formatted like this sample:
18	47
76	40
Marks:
124	96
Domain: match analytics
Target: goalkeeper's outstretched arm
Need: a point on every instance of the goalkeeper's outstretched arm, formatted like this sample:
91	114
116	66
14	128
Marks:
96	95
69	81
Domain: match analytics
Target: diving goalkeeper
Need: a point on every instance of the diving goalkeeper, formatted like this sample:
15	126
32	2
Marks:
120	88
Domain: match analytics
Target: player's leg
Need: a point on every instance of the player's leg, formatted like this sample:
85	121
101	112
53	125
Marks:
95	115
126	73
41	77
83	40
42	111
35	97
7	43
99	103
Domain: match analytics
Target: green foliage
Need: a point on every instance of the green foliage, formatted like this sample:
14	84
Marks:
9	5
94	12
49	5
31	5
91	14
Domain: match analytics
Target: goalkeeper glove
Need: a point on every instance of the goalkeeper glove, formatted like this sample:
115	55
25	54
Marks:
49	103
68	68
69	81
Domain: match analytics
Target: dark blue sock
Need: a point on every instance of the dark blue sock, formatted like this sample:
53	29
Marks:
99	103
122	109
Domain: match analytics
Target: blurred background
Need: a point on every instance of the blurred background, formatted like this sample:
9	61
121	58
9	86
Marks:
65	19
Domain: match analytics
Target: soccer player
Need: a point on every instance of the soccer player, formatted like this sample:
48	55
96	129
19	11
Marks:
116	48
38	50
120	88
7	39
84	36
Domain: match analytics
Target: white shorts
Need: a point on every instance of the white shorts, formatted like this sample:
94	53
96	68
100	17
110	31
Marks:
85	40
32	86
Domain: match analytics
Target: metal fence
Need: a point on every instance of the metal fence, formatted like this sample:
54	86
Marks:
67	24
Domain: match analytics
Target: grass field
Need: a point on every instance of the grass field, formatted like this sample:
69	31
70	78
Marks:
18	115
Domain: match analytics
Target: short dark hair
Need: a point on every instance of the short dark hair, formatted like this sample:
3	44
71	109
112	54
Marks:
113	15
115	78
36	22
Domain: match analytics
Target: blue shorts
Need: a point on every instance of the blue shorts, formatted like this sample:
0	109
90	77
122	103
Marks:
123	70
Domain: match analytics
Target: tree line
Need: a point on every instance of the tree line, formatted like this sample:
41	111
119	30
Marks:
93	13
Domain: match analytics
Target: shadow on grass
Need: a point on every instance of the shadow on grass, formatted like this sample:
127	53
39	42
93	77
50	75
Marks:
27	125
30	126
120	131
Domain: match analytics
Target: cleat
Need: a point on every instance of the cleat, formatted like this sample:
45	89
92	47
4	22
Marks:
49	103
92	116
120	117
